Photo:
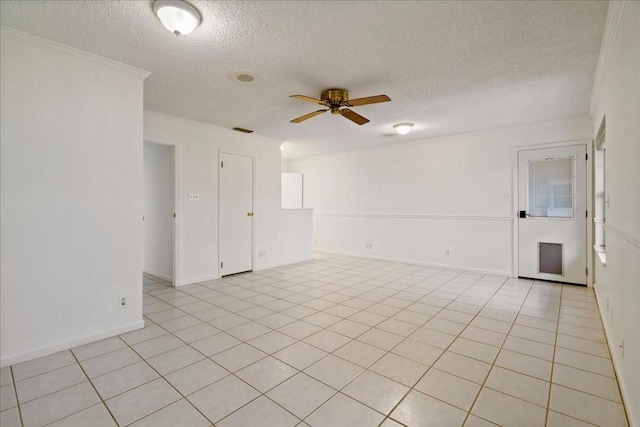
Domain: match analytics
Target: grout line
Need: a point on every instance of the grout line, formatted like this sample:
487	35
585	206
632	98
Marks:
226	376
94	389
163	378
498	355
468	412
553	359
407	337
404	289
15	390
309	272
353	339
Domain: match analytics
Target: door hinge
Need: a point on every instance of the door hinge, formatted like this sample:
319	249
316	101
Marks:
586	214
586	156
174	214
587	271
222	265
221	164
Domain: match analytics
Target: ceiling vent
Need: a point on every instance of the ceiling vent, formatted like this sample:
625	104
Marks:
243	130
243	77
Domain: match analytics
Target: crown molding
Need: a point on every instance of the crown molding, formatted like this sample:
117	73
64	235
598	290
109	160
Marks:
614	16
59	48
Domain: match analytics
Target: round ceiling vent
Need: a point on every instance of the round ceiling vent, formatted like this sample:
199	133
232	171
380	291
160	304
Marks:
243	77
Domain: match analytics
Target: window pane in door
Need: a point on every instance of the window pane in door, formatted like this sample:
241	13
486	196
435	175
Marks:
550	188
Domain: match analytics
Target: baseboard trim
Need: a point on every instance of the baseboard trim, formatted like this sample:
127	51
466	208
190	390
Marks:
627	403
160	275
12	359
426	264
295	261
196	280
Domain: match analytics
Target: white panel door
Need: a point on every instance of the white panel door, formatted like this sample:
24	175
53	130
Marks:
236	213
552	220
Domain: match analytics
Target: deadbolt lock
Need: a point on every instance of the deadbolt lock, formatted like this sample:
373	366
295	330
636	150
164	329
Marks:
249	213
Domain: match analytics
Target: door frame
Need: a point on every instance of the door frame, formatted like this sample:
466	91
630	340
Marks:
176	202
515	197
222	151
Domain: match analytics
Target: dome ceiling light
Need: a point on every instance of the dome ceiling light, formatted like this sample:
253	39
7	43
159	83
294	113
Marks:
177	16
403	128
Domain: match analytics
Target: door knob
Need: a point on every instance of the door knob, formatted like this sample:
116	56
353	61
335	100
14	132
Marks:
523	214
249	213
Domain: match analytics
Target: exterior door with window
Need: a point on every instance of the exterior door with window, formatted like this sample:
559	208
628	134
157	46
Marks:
552	220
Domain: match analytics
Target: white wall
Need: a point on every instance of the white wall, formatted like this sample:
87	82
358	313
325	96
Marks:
617	96
292	190
198	146
416	200
294	241
159	199
71	197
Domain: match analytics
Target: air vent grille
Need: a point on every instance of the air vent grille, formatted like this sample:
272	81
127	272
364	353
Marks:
243	130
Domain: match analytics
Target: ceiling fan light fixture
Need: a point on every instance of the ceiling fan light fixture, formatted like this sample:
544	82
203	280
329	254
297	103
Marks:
177	16
403	128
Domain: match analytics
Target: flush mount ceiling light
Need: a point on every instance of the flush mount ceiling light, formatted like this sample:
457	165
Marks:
177	16
403	128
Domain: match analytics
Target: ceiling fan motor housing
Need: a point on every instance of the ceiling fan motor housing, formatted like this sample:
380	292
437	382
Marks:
335	98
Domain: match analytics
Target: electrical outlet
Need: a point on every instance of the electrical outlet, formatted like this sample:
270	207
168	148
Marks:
368	245
122	302
262	254
194	197
447	252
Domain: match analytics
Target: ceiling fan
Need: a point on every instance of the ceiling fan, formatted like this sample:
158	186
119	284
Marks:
337	101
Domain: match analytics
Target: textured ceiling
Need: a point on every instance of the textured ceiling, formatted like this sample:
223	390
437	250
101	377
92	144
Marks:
449	67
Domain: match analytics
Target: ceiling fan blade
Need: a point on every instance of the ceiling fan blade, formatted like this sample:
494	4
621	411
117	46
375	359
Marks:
308	116
353	116
309	99
367	100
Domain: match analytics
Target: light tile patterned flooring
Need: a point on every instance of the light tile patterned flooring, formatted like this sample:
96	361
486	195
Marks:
337	341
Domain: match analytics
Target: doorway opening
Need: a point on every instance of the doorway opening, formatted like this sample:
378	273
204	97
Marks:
159	183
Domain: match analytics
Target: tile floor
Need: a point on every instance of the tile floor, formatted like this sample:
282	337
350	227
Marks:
337	341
